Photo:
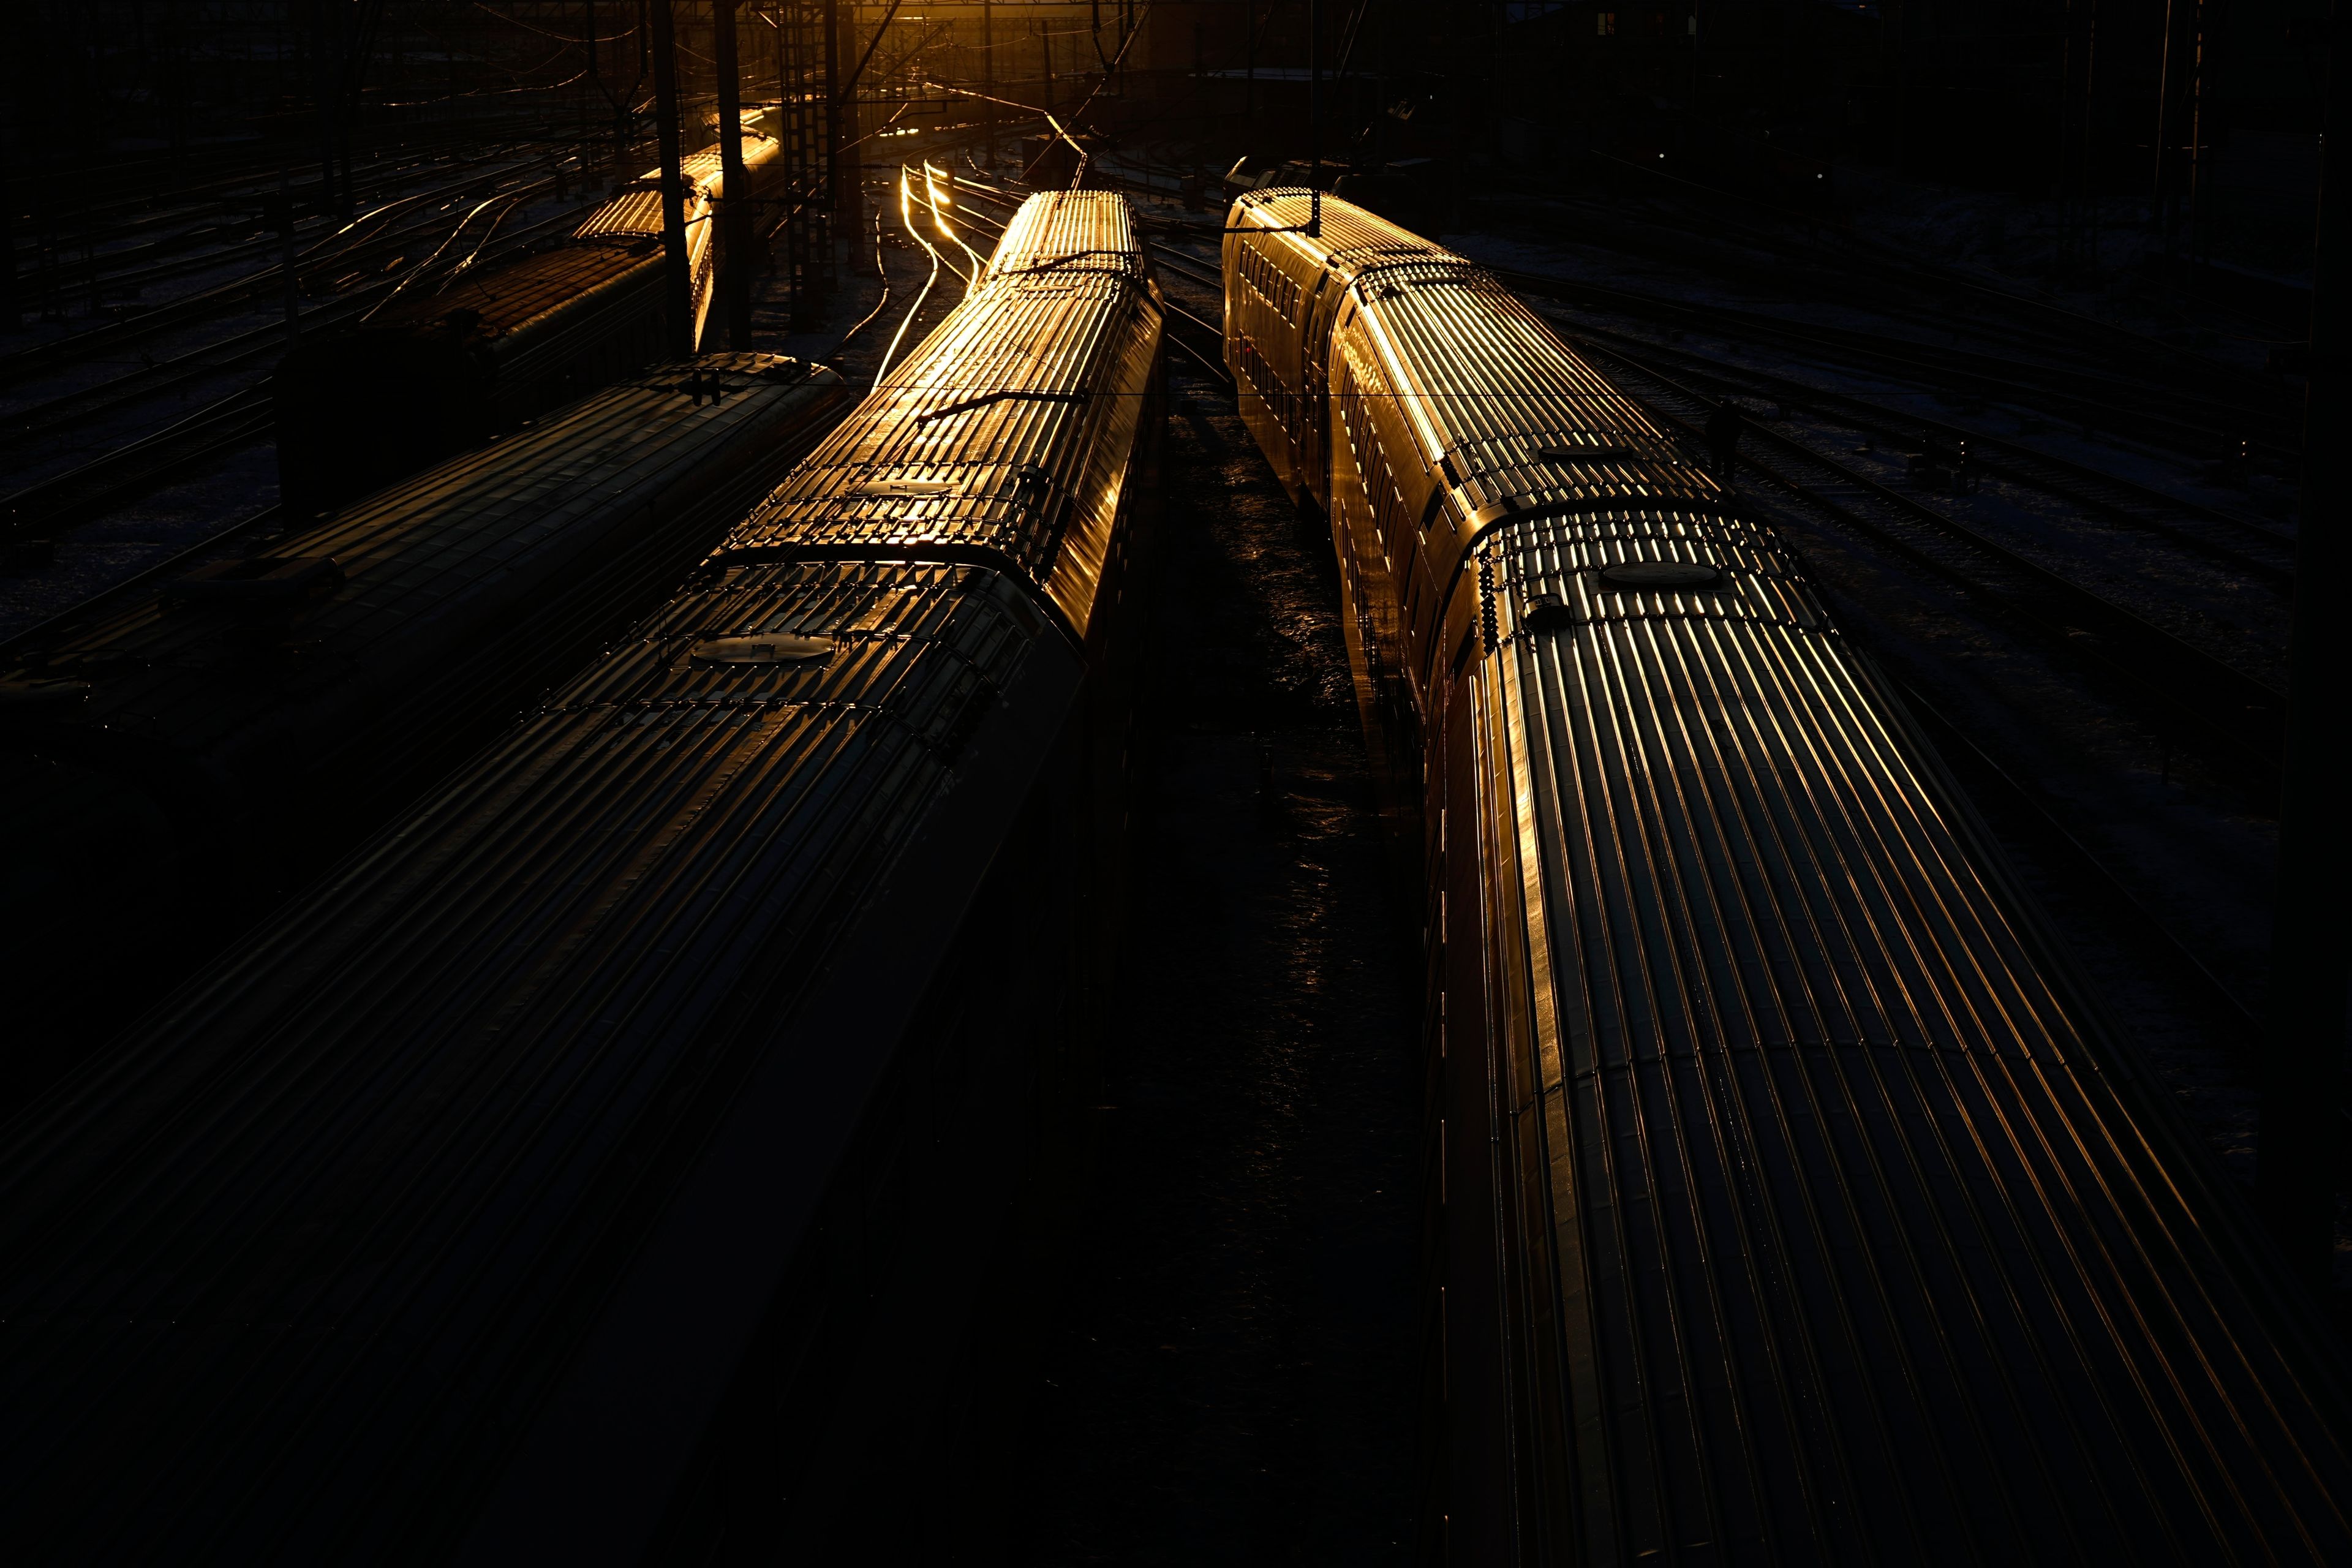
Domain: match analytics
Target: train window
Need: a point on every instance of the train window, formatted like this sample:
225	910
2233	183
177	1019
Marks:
1267	385
1271	284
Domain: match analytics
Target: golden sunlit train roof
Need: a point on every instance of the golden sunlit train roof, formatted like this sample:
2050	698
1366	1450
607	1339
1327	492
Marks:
991	435
1085	231
1351	237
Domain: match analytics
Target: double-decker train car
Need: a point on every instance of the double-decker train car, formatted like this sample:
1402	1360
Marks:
622	1158
450	360
175	759
1788	1204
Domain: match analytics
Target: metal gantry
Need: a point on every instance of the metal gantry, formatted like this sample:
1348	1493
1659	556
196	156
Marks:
804	116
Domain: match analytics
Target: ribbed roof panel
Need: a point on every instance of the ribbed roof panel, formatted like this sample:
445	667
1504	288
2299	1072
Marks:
1856	1250
454	554
1069	231
1008	431
1825	1226
281	1281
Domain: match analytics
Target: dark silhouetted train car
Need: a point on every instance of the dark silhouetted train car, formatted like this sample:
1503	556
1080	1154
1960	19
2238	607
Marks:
616	1160
452	360
1791	1208
173	759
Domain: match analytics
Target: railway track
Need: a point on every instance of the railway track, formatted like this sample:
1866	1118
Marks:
2095	400
17	646
229	424
2235	718
230	295
266	341
2092	397
1846	272
224	234
121	476
2259	552
2233	714
232	352
153	194
2229	707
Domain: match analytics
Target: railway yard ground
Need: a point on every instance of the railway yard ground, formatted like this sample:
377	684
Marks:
2061	521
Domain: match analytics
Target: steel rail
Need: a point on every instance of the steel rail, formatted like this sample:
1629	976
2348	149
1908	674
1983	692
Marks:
932	177
245	348
237	420
167	178
103	483
2238	717
216	300
1829	399
135	278
2102	495
907	222
172	566
881	271
2091	398
239	349
1933	276
1915	293
217	217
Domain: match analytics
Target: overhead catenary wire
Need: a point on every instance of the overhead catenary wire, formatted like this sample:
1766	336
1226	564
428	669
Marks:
546	33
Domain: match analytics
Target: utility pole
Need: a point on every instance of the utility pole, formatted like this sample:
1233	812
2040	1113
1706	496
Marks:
627	113
2311	935
1314	121
735	194
988	74
1249	74
1045	48
848	190
280	216
677	281
10	322
327	51
596	84
2200	24
2162	180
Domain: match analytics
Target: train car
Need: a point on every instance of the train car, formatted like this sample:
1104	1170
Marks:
178	757
624	1157
1790	1206
450	360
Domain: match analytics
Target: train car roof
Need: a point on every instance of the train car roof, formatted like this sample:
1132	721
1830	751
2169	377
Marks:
461	1188
496	300
986	439
1497	404
1492	394
416	551
1351	240
1066	231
